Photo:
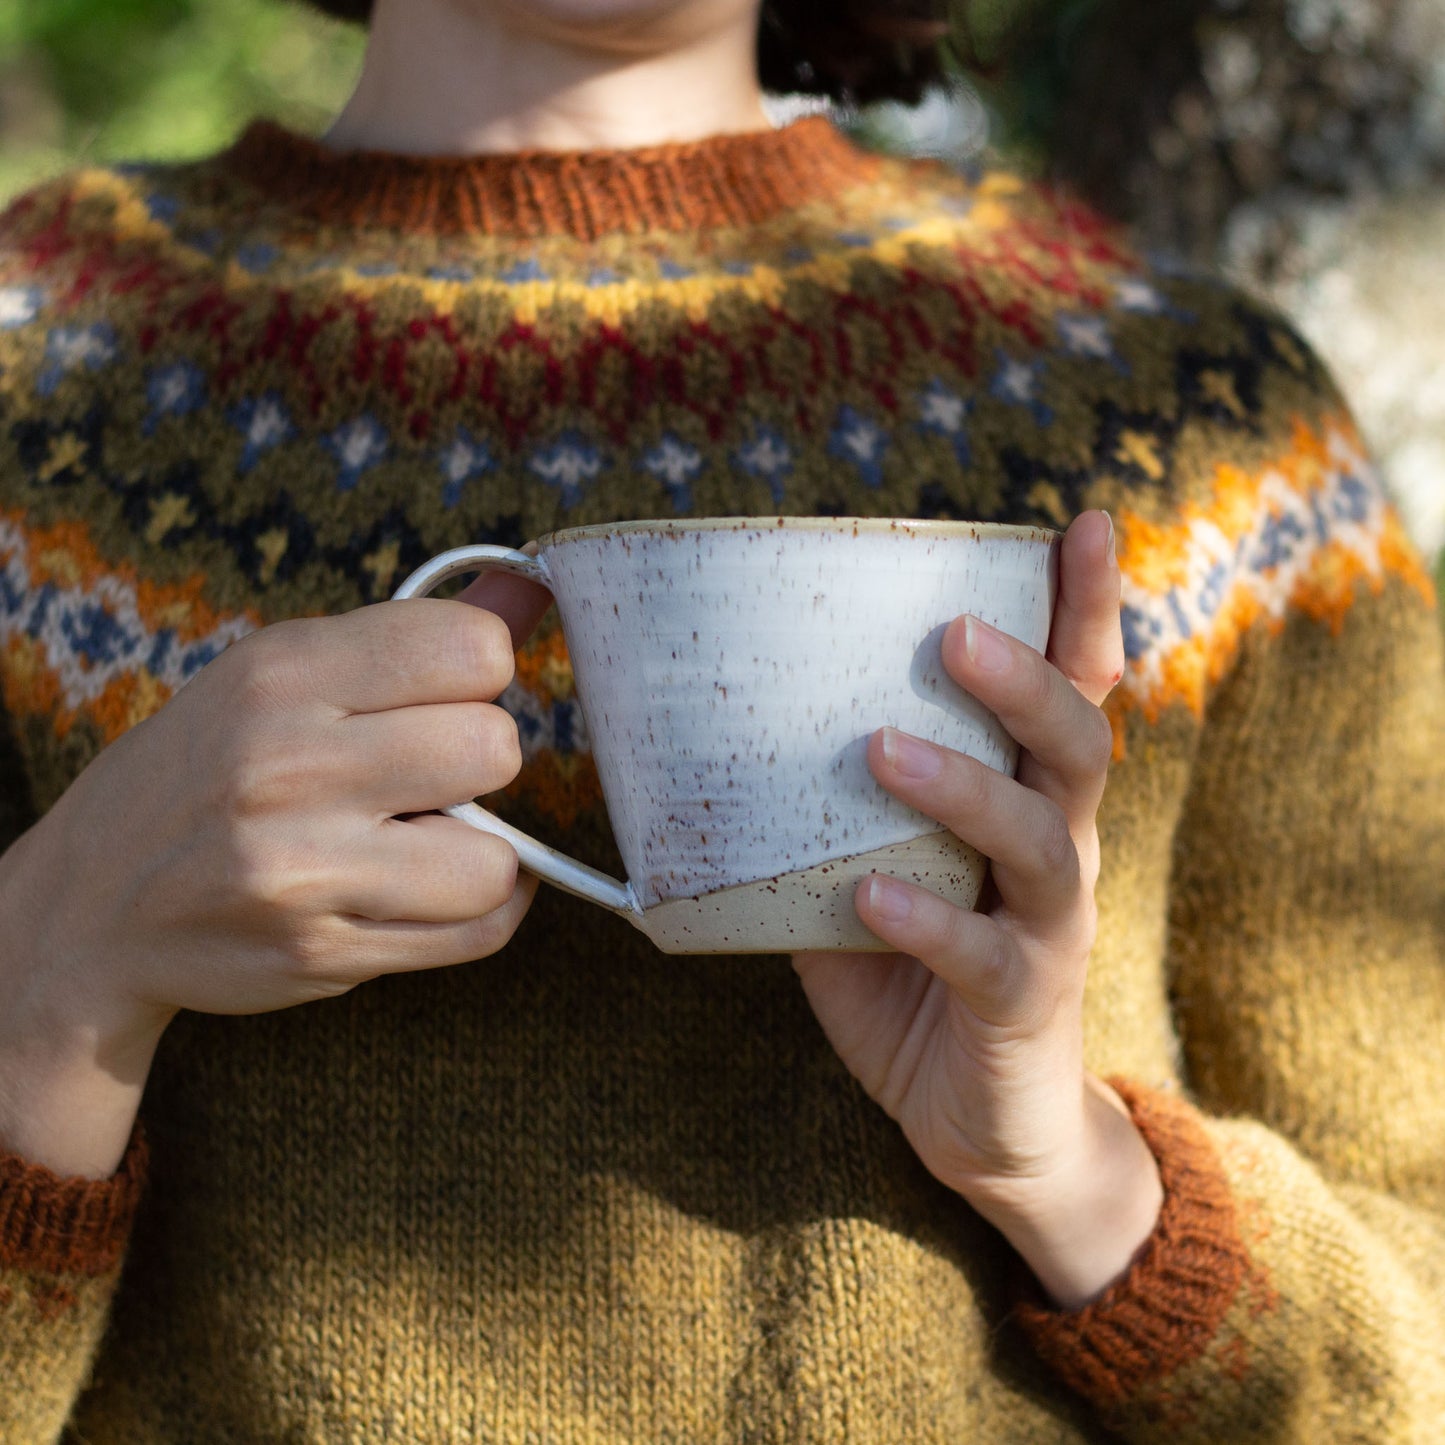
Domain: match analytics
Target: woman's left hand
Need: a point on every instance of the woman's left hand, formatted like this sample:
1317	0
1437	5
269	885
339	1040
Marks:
971	1035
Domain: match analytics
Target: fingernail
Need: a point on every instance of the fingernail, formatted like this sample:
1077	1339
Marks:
888	899
984	645
909	757
1111	553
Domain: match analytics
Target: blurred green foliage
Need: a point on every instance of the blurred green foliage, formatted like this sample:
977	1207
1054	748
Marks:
102	79
1018	61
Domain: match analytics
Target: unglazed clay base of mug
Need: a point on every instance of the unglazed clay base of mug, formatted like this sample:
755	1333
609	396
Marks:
812	908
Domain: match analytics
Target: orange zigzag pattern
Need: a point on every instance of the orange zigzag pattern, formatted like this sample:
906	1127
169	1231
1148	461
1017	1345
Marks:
85	638
1303	534
82	636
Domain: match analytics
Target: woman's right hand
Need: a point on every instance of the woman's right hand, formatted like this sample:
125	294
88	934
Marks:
247	848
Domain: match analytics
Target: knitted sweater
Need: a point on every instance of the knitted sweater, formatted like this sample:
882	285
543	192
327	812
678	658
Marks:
584	1192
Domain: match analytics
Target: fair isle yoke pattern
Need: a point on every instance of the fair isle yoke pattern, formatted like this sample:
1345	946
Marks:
1303	534
909	346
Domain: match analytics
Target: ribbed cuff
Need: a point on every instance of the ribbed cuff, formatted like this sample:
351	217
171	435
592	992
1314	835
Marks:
1165	1312
50	1225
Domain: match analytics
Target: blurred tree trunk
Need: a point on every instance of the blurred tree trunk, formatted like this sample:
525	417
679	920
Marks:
1300	145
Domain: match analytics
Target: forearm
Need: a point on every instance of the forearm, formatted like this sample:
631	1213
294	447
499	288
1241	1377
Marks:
68	1104
71	1071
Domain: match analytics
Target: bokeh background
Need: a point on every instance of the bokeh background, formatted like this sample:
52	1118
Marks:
1297	144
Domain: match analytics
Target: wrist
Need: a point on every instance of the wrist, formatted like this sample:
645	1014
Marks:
73	1058
1081	1228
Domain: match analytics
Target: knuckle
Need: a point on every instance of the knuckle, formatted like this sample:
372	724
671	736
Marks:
1090	867
257	872
1058	855
1096	743
971	786
268	667
994	971
499	745
494	872
312	953
490	932
273	876
493	934
244	786
256	780
260	883
1116	660
470	647
1038	689
485	647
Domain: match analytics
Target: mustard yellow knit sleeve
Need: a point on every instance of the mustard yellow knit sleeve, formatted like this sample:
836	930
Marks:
1295	1287
61	1243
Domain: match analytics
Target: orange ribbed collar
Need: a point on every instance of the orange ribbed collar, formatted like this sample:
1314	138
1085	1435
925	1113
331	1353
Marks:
726	180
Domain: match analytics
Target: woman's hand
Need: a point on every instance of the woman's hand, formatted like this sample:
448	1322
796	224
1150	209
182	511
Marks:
247	848
972	1040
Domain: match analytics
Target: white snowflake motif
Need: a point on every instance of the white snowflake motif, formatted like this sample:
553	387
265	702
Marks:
69	348
860	440
89	346
766	455
1015	382
945	413
940	409
263	423
268	425
357	444
177	388
174	390
1135	295
19	306
171	388
460	460
1086	336
864	439
567	464
673	462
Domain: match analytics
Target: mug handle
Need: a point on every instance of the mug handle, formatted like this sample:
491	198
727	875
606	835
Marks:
548	863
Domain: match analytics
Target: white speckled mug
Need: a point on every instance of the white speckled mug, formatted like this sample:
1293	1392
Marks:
730	672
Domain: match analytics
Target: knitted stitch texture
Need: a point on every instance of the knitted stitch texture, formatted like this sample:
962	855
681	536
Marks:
582	1192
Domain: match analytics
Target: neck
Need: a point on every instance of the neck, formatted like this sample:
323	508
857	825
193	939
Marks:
447	78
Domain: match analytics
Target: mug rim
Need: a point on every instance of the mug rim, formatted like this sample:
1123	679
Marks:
857	526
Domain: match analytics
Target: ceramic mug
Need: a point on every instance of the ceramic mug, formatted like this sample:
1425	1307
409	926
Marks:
730	672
